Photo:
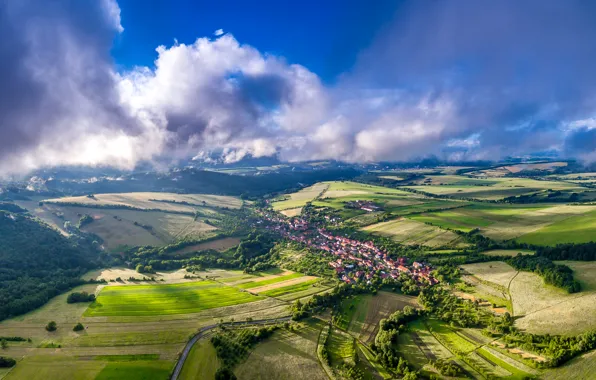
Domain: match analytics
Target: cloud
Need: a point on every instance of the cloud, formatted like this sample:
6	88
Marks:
460	80
218	32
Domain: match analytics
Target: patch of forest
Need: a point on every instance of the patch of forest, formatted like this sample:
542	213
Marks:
36	264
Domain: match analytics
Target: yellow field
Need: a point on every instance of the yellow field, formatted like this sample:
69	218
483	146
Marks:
292	212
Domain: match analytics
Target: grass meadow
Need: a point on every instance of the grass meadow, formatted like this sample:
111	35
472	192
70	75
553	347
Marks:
189	297
201	363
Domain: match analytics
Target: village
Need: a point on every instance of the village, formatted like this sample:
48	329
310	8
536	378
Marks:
355	260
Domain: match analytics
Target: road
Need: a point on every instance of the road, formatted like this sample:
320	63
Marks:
206	329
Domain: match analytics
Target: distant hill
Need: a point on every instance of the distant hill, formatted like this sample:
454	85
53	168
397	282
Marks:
201	181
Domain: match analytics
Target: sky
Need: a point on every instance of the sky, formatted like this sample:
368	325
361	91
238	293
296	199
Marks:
119	83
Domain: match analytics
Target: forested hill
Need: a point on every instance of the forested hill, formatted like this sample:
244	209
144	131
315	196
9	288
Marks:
36	264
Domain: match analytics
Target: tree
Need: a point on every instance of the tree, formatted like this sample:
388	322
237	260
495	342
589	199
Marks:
4	344
78	327
51	326
224	374
7	362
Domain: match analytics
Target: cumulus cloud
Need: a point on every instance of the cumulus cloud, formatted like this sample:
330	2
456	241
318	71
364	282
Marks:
461	80
218	32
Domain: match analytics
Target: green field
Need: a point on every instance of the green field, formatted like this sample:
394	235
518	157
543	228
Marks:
341	347
189	297
290	289
300	198
154	370
507	252
575	229
535	223
53	367
412	232
202	362
490	189
256	284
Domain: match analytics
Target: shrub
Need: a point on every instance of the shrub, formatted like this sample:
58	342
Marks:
7	362
80	297
78	327
51	326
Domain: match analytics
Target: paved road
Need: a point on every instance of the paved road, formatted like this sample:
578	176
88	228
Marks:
204	330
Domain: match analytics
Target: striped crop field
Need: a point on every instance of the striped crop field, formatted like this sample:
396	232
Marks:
256	284
189	297
290	289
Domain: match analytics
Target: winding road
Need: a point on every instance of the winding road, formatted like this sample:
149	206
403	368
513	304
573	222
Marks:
204	330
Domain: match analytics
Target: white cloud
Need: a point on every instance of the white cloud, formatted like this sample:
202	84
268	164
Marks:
112	10
218	32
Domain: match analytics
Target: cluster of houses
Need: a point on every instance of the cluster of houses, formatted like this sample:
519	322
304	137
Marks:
367	206
355	260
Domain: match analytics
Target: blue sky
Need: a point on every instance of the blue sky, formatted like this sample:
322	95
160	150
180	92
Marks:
324	36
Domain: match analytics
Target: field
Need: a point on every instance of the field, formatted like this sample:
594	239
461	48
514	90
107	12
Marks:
490	189
507	252
190	297
394	201
202	362
536	223
217	244
289	289
516	168
412	232
122	227
113	346
429	340
575	229
362	320
579	368
300	198
169	202
541	308
154	219
284	356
